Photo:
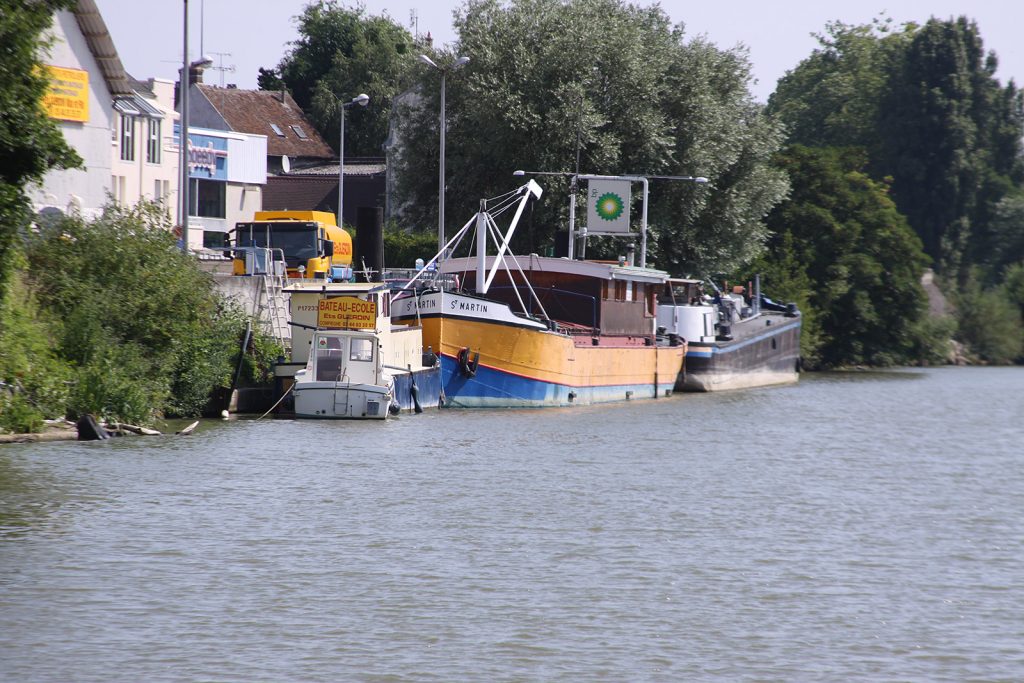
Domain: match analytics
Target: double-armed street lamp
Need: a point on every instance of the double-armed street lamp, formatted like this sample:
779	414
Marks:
574	179
362	99
457	64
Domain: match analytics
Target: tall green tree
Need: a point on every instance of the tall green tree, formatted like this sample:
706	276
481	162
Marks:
30	142
925	104
342	52
841	236
620	84
1005	238
951	136
832	98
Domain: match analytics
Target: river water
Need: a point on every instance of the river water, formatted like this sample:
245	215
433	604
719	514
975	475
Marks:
864	526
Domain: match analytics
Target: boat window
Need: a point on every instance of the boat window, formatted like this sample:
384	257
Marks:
361	349
328	359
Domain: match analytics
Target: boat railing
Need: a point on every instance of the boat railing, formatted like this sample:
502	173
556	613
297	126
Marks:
398	278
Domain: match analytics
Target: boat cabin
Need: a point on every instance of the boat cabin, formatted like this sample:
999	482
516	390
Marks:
584	297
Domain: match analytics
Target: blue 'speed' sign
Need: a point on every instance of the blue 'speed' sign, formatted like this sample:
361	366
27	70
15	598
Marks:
207	157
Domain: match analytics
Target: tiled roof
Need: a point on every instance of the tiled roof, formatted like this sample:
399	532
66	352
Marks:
259	111
353	167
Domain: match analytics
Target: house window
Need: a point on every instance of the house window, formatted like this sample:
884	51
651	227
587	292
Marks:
277	130
208	199
153	142
127	138
301	133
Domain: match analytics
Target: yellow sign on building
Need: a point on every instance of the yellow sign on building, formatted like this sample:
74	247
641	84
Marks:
68	97
347	313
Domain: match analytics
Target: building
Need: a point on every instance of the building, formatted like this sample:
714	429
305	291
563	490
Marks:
302	166
88	80
144	157
227	172
292	142
127	133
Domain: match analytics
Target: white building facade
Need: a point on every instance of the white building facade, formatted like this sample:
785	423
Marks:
227	172
144	151
82	104
127	134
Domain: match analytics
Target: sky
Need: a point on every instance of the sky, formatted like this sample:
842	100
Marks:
245	35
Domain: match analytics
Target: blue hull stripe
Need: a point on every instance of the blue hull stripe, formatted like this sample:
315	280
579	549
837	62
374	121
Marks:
493	388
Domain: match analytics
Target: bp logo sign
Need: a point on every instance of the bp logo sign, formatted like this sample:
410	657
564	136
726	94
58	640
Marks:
608	206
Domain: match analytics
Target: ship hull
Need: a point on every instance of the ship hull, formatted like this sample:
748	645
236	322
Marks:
491	358
759	355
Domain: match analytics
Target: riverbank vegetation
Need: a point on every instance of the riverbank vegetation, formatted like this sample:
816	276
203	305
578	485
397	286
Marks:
108	317
940	136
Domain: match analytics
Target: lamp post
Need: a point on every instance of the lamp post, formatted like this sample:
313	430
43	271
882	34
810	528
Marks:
362	99
576	177
184	83
457	64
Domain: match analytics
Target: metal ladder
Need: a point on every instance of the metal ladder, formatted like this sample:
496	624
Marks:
270	301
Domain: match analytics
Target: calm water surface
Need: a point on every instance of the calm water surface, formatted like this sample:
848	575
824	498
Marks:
866	527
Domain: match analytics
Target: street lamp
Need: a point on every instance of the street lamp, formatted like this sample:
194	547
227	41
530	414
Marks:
362	99
457	64
184	82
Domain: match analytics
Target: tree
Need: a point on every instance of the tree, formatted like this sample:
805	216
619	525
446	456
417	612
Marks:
925	104
30	142
639	98
1005	237
832	98
341	53
859	257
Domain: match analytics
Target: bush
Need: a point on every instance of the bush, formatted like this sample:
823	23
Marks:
990	323
34	377
932	339
146	327
18	415
117	386
401	249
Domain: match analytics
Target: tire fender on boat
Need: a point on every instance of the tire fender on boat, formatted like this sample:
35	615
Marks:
467	365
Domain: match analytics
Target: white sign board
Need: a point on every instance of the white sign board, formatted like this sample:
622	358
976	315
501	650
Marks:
608	206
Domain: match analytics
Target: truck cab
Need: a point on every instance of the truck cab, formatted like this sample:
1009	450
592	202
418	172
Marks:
309	243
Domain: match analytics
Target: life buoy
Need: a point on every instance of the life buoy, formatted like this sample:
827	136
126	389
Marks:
467	365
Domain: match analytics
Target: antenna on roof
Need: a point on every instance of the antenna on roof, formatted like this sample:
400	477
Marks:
220	66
